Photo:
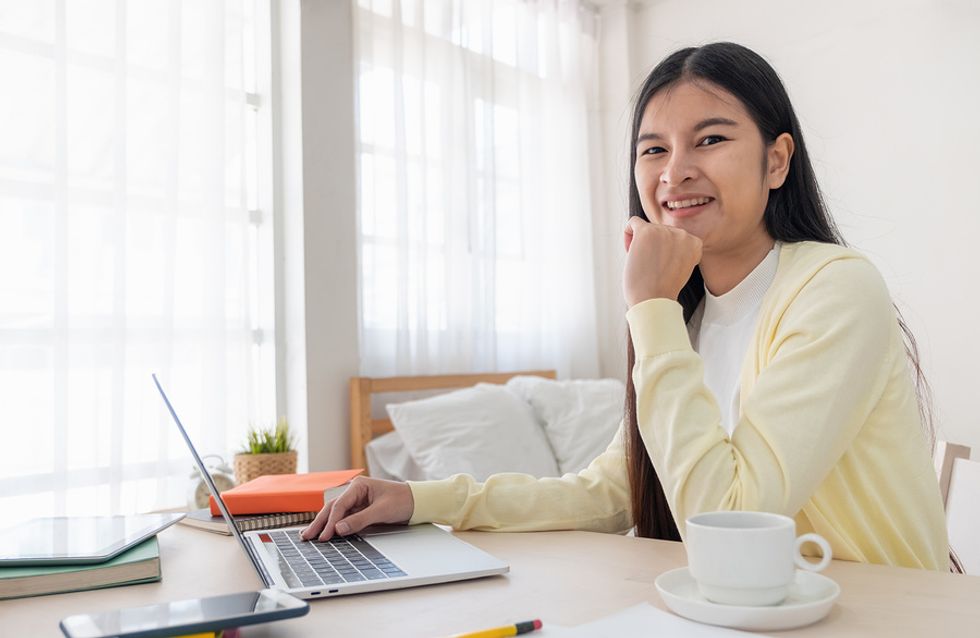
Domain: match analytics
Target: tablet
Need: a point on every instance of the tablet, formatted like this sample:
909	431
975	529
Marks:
77	539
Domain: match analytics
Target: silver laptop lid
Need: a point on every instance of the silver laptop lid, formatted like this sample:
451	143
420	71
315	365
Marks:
256	563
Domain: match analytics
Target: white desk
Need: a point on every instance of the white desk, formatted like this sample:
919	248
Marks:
563	577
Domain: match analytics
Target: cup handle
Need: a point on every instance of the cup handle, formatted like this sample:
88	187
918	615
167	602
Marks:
803	563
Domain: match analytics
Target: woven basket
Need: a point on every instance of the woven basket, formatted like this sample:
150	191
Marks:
250	466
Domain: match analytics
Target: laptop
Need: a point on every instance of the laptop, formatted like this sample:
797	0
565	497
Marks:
376	559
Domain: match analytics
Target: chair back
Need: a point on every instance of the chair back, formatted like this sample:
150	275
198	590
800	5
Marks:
959	482
963	514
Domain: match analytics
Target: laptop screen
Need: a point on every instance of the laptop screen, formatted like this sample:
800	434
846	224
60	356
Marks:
214	490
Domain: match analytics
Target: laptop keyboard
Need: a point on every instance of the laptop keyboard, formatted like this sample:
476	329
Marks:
342	559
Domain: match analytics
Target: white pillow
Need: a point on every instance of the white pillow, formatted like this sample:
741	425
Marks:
580	416
483	430
387	458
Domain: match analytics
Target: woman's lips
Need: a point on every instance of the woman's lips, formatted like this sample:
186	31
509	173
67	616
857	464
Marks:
688	211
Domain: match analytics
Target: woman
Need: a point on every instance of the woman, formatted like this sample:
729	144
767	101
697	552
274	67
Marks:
767	362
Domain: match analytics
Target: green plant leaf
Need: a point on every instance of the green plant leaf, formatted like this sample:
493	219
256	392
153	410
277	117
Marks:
270	440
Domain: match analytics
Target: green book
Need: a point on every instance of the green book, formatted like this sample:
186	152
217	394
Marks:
140	564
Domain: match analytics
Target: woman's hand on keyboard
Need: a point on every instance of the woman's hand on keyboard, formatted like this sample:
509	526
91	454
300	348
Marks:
367	501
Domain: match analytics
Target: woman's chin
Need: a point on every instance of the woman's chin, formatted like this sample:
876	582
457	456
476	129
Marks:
689	225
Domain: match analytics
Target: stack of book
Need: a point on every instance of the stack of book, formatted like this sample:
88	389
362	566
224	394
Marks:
139	564
277	500
263	503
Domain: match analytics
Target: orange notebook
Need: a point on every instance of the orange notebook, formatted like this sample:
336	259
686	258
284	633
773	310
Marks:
282	493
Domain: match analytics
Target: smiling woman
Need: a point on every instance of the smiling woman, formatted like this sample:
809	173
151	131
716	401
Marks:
805	397
767	363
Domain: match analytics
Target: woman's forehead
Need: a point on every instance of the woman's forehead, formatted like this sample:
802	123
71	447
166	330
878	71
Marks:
683	104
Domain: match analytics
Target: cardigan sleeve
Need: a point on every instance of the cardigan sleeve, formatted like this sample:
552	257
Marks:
595	499
824	364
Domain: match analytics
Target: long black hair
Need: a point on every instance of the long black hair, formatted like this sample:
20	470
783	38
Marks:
794	212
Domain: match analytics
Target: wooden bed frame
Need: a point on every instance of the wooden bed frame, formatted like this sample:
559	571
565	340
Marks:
363	428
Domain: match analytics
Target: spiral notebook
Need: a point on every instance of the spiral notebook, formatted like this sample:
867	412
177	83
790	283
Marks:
202	519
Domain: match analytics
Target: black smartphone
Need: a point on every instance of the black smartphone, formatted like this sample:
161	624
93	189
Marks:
187	616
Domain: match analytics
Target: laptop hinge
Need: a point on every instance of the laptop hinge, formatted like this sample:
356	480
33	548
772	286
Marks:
259	565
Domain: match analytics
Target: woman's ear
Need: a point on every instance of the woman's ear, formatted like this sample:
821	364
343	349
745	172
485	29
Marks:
778	156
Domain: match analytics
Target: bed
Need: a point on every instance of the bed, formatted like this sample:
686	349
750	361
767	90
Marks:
480	424
364	428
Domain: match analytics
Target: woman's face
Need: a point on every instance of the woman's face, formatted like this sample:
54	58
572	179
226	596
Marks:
702	165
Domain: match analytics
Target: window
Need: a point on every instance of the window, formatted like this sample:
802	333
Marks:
475	218
135	237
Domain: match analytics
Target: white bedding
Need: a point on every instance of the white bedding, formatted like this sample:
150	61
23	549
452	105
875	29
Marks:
387	458
578	419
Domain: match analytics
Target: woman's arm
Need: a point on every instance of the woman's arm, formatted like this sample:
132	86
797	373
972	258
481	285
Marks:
597	499
824	364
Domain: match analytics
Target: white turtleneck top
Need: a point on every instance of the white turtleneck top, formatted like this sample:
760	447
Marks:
721	330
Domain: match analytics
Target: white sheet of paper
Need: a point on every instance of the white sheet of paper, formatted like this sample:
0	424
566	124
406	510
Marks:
640	621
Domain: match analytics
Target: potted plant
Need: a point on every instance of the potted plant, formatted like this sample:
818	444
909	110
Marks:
267	451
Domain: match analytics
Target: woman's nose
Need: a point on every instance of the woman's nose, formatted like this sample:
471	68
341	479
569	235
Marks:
679	168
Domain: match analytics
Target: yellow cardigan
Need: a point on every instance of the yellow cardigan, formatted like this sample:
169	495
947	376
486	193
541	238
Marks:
829	429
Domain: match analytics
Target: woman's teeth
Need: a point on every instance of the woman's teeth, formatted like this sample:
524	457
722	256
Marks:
687	203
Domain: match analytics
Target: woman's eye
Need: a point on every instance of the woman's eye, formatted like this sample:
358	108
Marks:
711	140
654	150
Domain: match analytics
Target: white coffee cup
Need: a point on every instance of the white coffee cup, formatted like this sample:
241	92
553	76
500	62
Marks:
747	558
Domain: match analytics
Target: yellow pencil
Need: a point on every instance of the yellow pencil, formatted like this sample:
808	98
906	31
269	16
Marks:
505	631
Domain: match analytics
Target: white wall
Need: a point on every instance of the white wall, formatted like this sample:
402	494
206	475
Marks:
888	93
316	217
616	83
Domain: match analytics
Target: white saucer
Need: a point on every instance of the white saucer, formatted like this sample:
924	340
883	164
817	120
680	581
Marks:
810	598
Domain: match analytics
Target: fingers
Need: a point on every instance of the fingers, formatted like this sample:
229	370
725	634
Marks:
635	225
632	224
366	501
659	260
318	523
356	522
344	503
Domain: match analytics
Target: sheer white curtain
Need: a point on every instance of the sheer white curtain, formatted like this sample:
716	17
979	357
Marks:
475	231
132	240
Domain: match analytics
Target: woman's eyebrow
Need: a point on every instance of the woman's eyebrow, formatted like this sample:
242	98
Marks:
703	124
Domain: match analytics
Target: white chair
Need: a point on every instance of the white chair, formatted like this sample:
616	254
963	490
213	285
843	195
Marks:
959	482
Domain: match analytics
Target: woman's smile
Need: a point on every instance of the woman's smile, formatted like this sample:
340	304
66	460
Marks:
687	206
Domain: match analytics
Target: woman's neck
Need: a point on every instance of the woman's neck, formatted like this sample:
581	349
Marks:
723	271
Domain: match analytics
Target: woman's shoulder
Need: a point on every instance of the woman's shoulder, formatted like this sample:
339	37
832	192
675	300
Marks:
802	254
828	269
829	292
801	261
